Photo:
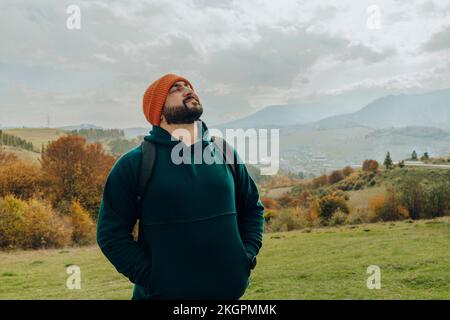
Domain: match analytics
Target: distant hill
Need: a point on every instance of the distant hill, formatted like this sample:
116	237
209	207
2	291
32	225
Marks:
430	109
294	114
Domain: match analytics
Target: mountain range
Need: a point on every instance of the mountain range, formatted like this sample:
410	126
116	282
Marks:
430	109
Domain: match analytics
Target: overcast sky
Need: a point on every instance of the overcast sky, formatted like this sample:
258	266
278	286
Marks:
240	55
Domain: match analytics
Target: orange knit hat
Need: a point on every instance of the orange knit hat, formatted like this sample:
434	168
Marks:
155	97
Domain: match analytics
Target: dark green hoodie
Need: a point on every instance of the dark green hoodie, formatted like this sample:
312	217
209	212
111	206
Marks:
192	243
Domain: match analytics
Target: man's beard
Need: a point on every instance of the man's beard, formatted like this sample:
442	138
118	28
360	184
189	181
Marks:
182	114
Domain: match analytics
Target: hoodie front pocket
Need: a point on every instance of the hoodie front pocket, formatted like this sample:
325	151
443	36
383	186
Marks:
202	259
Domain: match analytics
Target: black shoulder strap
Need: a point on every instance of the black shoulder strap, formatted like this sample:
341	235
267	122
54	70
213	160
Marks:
147	162
228	153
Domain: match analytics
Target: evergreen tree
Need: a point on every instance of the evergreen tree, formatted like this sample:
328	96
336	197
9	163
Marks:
388	161
414	155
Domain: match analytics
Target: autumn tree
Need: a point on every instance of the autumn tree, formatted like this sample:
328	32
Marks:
19	179
335	176
286	201
320	181
370	165
347	171
74	170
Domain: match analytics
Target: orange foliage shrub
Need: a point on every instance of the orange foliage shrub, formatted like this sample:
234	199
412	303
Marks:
305	198
370	165
335	176
286	200
44	228
285	220
314	212
83	227
320	181
20	179
269	203
386	208
12	221
30	224
347	171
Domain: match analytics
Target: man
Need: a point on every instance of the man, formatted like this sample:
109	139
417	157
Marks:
196	240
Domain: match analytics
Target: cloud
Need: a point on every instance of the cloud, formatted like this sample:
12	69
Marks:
240	56
280	55
439	40
103	58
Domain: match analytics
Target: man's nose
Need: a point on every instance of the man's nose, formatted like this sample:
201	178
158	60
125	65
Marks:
187	91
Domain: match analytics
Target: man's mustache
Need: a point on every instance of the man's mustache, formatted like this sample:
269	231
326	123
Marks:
191	96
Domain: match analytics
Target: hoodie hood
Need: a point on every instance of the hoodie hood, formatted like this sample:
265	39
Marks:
161	136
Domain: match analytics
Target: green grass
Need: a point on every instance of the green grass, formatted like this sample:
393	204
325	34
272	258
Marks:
328	263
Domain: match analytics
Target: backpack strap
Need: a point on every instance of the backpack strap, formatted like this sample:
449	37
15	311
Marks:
228	153
147	162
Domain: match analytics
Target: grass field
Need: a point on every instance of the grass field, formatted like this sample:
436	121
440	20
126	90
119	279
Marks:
328	263
37	136
360	199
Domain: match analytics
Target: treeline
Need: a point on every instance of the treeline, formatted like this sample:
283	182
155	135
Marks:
92	134
11	140
120	146
57	202
426	158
